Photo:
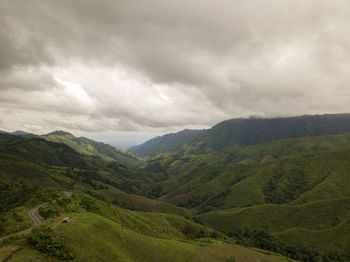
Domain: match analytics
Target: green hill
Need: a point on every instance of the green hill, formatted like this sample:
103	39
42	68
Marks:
39	162
92	148
166	143
185	168
299	178
295	199
99	231
289	196
320	227
244	132
237	133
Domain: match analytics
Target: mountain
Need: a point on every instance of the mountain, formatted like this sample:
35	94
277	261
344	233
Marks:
166	143
42	162
102	232
244	132
272	184
35	171
195	172
92	148
16	133
268	191
20	133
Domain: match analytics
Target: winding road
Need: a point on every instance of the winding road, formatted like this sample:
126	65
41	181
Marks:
35	216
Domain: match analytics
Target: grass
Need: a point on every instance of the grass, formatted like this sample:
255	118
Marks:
107	233
121	244
321	225
28	255
89	147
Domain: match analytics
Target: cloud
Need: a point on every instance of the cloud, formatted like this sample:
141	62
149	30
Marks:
166	65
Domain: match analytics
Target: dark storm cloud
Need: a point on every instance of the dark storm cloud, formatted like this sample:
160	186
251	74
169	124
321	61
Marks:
128	65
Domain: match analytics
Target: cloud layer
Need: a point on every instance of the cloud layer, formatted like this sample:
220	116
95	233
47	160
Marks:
160	65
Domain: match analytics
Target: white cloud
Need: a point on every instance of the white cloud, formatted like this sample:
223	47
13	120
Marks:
161	65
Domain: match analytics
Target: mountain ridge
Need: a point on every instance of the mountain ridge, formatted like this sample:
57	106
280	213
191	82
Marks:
165	143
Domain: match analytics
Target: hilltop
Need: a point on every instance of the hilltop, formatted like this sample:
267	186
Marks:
166	143
90	147
241	132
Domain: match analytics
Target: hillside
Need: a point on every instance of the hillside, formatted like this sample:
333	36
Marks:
36	161
244	132
184	165
16	133
99	231
166	143
297	195
288	196
92	148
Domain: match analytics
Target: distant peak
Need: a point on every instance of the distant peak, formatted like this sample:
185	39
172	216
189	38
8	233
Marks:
20	132
59	133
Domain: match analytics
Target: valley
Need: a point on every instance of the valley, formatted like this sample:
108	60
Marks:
272	199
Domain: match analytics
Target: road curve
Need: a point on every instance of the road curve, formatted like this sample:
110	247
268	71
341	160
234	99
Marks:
35	216
37	219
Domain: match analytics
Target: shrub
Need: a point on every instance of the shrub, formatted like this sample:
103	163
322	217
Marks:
44	239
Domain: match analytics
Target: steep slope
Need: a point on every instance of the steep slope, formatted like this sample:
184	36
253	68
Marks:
20	133
92	148
244	132
16	133
36	161
166	143
101	232
296	202
185	167
300	178
320	228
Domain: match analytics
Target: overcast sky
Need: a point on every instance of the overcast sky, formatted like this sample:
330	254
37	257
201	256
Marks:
123	71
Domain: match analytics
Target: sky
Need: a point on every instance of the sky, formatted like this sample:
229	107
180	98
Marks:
123	71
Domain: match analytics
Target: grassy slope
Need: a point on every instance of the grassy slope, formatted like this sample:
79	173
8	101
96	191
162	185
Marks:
166	143
320	225
140	203
92	148
125	245
109	233
15	202
244	132
22	160
32	158
183	167
300	179
302	199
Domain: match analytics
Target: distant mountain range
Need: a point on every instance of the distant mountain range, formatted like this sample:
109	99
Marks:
92	148
281	185
17	133
85	146
240	132
166	143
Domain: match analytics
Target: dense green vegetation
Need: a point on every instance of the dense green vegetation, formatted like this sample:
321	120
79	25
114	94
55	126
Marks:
243	132
90	147
15	201
166	143
100	231
271	184
42	162
43	238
